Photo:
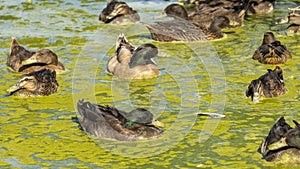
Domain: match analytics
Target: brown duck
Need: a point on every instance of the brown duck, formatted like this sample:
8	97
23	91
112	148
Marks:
25	61
268	85
39	83
130	62
282	143
118	12
271	51
109	122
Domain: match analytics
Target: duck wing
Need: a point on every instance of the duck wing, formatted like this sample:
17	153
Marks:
143	55
101	121
293	136
280	50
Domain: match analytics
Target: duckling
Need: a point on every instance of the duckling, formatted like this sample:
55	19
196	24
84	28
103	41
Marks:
284	151
109	122
180	29
118	12
25	61
130	62
268	85
271	51
39	83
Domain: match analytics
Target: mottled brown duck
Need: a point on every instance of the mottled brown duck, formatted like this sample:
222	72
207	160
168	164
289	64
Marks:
268	85
271	51
39	83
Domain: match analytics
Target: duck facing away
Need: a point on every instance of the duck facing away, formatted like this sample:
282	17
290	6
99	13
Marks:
118	12
39	83
130	62
282	143
268	85
25	61
109	122
271	51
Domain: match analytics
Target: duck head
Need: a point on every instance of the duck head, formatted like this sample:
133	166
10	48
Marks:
45	56
176	10
293	136
268	38
115	9
42	82
219	22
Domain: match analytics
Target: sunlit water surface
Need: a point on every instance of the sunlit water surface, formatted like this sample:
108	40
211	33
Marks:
203	76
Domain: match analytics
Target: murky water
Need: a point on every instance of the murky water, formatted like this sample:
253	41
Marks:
203	76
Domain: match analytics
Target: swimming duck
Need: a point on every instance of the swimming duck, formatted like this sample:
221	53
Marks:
39	83
282	143
268	85
118	12
181	29
130	62
109	122
271	51
292	18
260	6
25	61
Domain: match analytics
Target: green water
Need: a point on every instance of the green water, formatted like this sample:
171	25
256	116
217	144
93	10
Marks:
203	76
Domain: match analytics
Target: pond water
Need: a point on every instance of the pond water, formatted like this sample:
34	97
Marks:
201	76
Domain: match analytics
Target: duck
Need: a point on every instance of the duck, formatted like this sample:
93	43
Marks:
130	62
180	29
293	18
25	61
271	51
282	143
118	13
38	83
268	85
108	122
260	7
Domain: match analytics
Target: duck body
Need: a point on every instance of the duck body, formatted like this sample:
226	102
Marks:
268	85
25	61
285	142
130	62
109	122
271	51
118	12
39	83
183	30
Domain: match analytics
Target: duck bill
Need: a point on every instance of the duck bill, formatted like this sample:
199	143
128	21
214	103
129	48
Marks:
278	144
14	88
32	59
157	123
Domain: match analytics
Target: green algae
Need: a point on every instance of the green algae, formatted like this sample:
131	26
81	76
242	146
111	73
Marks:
39	132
